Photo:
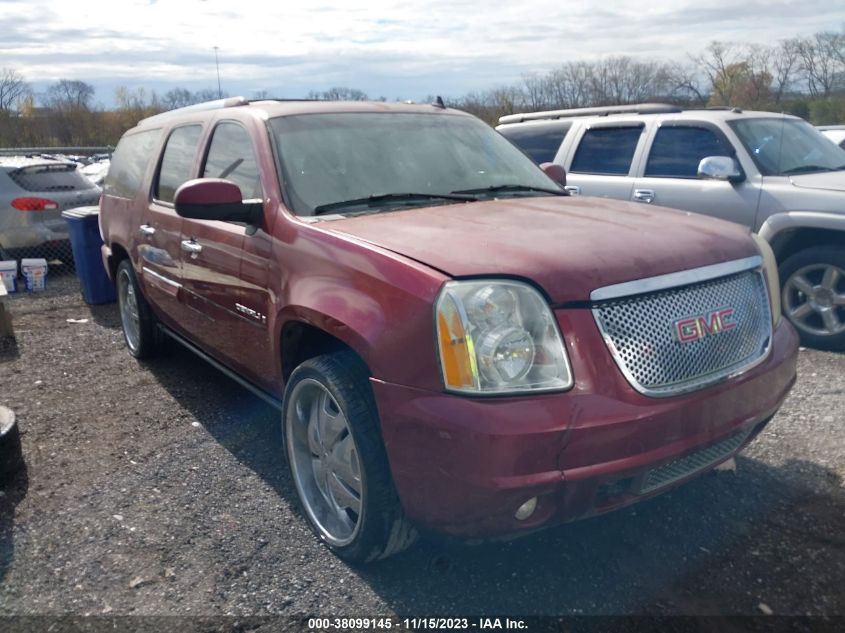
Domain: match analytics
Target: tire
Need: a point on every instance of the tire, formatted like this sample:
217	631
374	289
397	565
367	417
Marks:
11	456
813	296
338	462
136	317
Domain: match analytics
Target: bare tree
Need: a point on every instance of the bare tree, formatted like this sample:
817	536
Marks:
535	90
822	62
68	94
757	89
784	64
71	122
685	82
13	89
178	98
338	93
624	80
209	94
723	64
569	85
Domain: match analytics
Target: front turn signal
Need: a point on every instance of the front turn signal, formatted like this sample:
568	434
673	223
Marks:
456	353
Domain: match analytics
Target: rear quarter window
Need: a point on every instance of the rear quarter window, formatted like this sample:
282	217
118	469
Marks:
606	150
541	141
129	163
177	162
231	156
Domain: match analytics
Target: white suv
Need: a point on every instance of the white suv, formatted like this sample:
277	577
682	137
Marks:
771	172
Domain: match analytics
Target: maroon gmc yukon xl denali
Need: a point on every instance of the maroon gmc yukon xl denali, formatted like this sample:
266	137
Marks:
454	343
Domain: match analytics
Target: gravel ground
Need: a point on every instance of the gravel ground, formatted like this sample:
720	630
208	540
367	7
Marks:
158	488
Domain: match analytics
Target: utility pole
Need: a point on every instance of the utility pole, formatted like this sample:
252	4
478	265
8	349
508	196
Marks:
217	64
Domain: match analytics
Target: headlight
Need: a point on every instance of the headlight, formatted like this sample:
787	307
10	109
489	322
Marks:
770	267
499	337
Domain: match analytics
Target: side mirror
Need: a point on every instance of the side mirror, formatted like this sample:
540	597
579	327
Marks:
555	172
719	168
216	199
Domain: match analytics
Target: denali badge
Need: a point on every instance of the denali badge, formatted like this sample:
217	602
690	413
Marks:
697	327
250	313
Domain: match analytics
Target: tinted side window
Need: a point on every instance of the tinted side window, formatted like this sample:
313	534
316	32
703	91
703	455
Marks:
178	159
540	142
676	151
231	157
129	163
606	150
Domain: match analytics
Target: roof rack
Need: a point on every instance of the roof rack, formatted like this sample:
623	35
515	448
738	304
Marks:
640	108
229	102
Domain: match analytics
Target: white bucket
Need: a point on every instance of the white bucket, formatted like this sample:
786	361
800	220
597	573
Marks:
34	274
9	275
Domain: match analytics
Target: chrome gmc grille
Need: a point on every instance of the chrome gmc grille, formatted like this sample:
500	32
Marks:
646	332
699	460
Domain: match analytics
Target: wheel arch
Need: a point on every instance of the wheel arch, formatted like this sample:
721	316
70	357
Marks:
301	340
791	241
305	333
789	233
118	254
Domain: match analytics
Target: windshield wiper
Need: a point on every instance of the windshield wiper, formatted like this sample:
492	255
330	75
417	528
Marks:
808	168
376	199
510	187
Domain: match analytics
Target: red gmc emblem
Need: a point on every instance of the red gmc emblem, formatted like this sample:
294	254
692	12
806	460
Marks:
697	327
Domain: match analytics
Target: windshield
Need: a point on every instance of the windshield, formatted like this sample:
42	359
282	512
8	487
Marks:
783	146
330	159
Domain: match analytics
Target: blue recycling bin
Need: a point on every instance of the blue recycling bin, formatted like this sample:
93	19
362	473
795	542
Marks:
84	229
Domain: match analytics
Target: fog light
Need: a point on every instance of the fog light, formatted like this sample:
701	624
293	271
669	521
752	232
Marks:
526	509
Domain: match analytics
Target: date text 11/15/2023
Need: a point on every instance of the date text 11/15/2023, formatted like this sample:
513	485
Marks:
416	624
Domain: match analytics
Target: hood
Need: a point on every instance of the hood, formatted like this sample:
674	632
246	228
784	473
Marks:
569	246
827	181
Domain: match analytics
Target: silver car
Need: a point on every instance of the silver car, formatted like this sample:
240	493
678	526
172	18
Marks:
33	193
773	173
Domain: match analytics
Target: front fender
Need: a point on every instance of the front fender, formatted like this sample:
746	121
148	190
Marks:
390	328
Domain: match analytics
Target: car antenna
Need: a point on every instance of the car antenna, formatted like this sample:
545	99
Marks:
438	102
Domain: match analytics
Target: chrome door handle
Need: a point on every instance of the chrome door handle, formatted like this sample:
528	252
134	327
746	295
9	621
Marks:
190	246
644	195
574	190
147	230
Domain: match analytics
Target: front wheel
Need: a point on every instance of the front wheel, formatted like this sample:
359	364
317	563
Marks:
813	296
338	462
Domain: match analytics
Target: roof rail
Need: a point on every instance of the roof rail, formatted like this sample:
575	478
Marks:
229	102
725	109
639	108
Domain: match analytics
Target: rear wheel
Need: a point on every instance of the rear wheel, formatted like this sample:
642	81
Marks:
338	462
139	330
813	296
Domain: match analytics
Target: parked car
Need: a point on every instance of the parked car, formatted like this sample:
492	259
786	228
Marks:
454	342
33	193
96	171
770	172
835	133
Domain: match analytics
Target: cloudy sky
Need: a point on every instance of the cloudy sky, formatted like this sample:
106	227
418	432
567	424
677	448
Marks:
393	49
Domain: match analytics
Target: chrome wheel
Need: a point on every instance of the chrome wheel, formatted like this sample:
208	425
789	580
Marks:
814	299
324	462
129	315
